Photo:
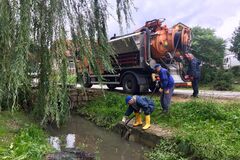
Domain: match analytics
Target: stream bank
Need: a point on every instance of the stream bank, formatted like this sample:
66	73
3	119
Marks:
202	129
21	137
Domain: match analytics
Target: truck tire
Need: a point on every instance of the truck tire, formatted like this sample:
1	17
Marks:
130	84
111	86
86	80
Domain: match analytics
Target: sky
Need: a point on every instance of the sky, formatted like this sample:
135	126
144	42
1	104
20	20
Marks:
221	15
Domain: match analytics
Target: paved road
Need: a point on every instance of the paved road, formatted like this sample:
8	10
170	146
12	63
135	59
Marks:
210	94
202	93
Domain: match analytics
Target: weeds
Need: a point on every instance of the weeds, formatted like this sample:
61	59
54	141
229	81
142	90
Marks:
105	112
29	144
167	150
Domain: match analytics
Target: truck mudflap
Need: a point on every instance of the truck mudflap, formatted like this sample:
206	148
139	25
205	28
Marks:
184	84
179	82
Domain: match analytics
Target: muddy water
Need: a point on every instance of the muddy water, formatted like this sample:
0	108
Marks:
82	134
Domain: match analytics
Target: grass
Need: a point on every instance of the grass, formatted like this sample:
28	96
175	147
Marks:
203	129
235	87
20	138
10	124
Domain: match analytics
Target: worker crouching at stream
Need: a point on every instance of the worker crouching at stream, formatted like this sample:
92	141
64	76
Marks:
137	104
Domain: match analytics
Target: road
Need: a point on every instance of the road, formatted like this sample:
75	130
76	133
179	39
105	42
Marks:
188	93
210	94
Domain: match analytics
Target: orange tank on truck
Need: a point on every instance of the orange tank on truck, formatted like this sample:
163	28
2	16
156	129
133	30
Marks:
165	40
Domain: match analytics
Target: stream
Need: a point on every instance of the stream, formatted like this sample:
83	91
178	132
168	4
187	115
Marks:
84	135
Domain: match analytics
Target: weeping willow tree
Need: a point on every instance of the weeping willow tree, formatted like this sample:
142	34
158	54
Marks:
40	27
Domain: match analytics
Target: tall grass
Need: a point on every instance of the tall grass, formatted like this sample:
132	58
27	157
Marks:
30	143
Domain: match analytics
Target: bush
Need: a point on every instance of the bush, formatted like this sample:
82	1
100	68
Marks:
235	71
208	74
223	81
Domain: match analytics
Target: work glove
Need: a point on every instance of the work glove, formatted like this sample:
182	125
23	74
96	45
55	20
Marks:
166	91
160	90
124	119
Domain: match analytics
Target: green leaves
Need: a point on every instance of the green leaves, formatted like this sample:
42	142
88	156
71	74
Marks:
105	111
29	143
33	39
207	46
235	41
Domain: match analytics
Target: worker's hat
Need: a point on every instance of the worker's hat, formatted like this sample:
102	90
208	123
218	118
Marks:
157	65
128	98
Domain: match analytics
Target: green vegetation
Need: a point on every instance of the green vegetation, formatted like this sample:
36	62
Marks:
167	150
105	111
203	129
37	43
210	50
207	46
20	139
221	80
236	42
10	125
71	79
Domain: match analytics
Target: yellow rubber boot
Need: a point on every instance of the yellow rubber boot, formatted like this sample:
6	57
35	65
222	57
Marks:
147	125
138	120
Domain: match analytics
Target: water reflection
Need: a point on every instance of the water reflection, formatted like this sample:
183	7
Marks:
70	139
55	142
84	135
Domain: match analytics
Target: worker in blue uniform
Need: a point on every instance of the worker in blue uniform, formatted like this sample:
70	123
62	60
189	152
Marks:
166	87
193	72
138	104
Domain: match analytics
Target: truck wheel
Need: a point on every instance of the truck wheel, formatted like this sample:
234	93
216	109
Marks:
111	86
130	84
86	80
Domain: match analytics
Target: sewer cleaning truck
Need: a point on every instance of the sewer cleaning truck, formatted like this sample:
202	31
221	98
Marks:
138	52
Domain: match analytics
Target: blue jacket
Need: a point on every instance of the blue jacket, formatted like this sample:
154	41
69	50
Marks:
194	68
166	79
144	103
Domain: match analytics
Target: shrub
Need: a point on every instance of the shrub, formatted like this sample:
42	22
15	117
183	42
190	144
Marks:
208	74
223	80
